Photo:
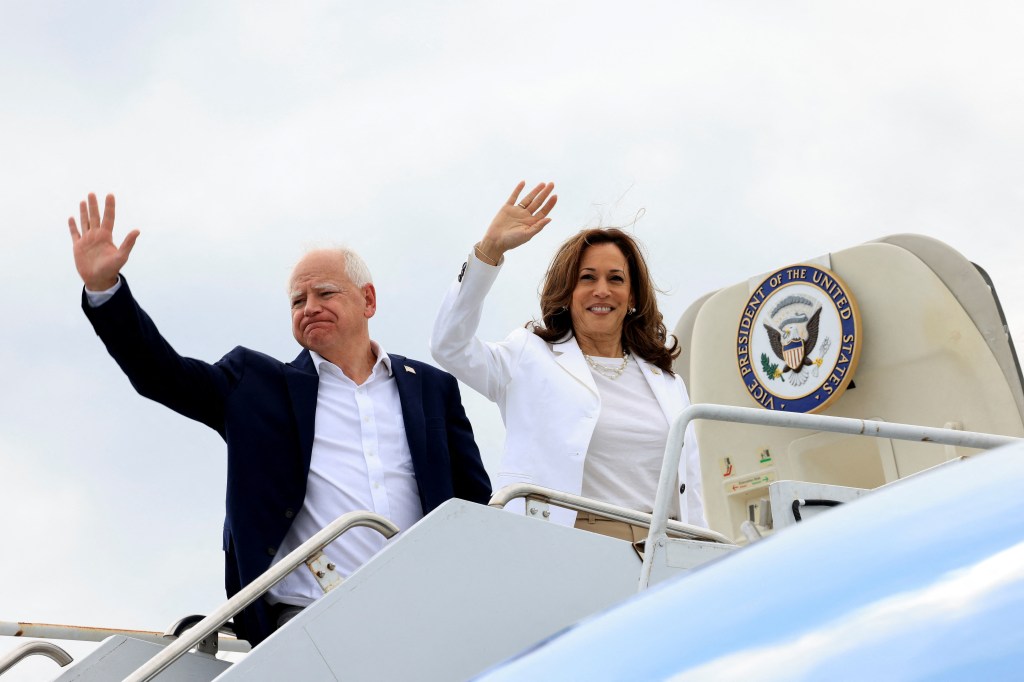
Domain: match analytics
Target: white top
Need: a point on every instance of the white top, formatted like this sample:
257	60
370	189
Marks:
547	396
624	458
360	460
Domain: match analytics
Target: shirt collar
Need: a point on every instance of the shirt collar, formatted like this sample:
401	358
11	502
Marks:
383	362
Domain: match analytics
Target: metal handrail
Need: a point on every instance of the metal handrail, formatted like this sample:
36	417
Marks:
610	511
754	415
258	587
52	651
83	633
184	623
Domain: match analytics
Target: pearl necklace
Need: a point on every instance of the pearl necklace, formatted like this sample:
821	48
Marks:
612	373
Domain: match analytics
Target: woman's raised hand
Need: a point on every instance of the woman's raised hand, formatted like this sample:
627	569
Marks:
518	220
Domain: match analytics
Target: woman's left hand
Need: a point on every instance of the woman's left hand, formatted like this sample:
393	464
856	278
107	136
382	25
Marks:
518	221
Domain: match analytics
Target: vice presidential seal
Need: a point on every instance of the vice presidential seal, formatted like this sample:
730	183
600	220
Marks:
798	340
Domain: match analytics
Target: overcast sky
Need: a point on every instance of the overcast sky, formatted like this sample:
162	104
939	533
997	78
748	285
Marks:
234	134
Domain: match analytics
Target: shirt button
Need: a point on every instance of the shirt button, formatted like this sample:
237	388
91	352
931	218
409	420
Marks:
682	489
289	513
271	551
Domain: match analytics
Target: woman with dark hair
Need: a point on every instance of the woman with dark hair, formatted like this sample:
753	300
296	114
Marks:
588	393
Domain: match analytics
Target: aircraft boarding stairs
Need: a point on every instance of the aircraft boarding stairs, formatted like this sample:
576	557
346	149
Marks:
463	589
469	586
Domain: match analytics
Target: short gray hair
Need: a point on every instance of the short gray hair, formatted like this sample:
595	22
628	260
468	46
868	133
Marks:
355	267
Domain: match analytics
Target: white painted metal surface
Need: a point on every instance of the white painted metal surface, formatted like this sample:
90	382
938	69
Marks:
751	415
257	588
82	633
323	572
461	590
936	352
118	656
784	493
679	554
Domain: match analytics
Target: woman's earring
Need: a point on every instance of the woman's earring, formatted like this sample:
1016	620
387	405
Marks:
631	311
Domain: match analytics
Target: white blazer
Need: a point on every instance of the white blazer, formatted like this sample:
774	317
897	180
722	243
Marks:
547	396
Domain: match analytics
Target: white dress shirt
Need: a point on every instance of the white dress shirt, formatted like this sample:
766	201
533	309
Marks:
360	460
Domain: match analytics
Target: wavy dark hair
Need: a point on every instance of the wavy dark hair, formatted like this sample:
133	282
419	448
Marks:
643	332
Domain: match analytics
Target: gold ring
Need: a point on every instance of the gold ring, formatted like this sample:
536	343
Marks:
522	205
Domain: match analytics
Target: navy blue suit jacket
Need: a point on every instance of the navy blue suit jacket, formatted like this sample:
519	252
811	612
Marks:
264	409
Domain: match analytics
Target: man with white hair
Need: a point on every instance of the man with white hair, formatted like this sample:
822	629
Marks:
342	427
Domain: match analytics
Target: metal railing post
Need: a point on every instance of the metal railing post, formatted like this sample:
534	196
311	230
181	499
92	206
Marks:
84	633
753	415
257	588
591	506
52	651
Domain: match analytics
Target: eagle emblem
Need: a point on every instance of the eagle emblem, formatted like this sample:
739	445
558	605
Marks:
792	328
798	339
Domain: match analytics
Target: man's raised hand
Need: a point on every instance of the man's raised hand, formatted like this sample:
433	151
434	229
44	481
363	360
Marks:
98	261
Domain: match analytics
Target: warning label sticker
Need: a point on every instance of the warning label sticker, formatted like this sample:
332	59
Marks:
750	482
